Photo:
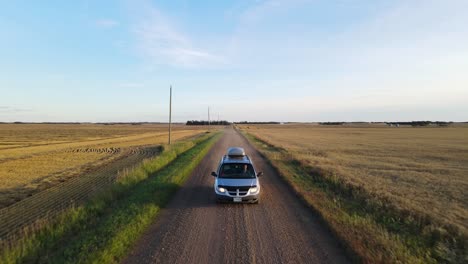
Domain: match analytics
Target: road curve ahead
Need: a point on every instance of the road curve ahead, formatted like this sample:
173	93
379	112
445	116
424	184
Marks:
194	229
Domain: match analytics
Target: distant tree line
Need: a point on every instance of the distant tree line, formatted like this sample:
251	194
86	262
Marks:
258	123
420	123
206	123
128	123
83	123
332	123
412	123
48	123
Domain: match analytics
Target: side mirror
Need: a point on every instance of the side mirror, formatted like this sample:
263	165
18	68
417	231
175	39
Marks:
214	174
260	174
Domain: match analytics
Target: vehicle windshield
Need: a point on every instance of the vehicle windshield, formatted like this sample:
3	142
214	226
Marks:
237	171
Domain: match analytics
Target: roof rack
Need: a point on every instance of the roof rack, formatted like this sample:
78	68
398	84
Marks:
245	158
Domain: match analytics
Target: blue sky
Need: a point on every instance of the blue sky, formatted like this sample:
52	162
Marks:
266	60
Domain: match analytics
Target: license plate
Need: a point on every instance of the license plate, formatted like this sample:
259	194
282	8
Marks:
237	199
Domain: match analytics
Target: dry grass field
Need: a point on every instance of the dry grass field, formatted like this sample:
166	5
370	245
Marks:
421	170
34	157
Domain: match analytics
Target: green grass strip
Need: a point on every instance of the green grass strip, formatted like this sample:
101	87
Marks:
104	230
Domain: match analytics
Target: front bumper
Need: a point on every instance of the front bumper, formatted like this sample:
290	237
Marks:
252	198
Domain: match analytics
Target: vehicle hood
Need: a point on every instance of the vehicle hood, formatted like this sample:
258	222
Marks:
237	182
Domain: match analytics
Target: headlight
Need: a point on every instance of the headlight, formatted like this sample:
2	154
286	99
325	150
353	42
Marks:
221	189
254	189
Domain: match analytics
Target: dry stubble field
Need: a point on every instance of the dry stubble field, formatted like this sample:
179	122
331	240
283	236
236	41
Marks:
421	170
35	157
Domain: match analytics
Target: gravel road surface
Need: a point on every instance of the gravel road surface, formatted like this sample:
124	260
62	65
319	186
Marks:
193	228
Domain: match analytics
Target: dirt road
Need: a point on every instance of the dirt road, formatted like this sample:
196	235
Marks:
194	229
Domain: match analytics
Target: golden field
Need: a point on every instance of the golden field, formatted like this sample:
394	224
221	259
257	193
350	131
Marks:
424	169
403	190
34	157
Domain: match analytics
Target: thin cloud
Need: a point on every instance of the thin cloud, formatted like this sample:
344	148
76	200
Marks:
164	44
130	85
11	110
106	23
265	8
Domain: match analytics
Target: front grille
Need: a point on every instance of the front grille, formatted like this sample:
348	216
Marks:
235	193
232	190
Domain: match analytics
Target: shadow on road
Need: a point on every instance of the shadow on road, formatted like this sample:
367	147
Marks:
199	196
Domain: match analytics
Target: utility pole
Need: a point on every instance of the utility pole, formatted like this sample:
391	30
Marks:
209	121
170	113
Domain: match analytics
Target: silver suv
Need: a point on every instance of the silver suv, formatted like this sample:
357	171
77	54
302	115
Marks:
236	178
